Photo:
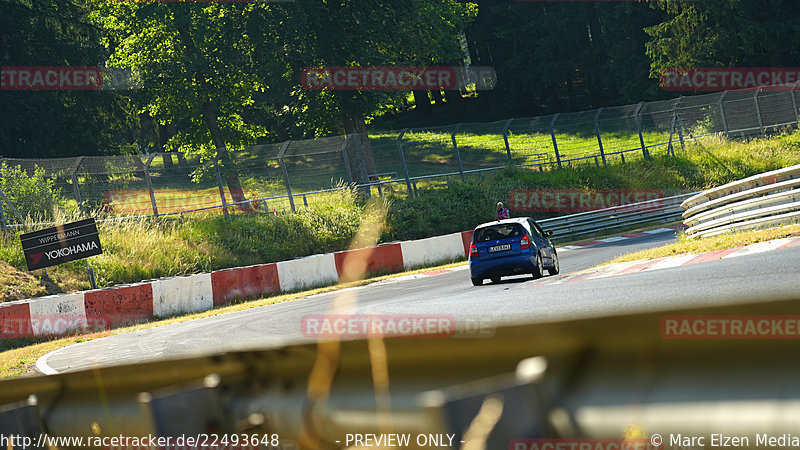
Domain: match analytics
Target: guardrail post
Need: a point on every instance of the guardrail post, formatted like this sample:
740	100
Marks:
722	112
758	112
75	187
458	154
403	161
221	189
282	160
599	139
638	120
505	138
553	135
150	183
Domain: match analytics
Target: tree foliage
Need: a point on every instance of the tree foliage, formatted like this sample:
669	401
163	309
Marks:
56	123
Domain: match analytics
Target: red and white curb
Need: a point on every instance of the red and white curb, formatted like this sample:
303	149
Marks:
630	267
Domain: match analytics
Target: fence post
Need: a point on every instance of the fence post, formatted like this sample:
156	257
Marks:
458	154
403	161
75	187
553	135
721	104
670	147
794	103
282	160
150	183
221	189
599	139
758	111
505	138
638	119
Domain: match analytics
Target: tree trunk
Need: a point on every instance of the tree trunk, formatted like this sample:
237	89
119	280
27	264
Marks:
228	167
453	97
359	152
163	137
422	102
437	97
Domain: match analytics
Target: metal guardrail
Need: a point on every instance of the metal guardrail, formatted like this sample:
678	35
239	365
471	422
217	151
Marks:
588	378
659	210
764	200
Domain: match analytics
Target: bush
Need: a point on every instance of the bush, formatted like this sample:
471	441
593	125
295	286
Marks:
32	194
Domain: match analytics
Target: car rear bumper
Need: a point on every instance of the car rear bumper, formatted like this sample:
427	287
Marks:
510	265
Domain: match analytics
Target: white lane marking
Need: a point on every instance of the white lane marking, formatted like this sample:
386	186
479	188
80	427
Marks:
760	247
672	261
660	230
614	239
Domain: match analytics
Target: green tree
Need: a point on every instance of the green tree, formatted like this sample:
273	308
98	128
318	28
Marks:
56	123
32	194
725	33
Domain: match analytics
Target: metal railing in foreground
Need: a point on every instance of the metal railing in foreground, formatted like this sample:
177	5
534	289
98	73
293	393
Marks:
761	201
590	378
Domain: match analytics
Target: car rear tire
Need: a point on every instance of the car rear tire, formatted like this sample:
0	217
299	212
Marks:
538	271
495	280
477	281
555	268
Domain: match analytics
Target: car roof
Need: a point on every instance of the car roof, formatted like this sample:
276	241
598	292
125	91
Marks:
519	220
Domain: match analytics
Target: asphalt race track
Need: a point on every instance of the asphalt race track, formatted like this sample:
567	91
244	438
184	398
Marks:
771	275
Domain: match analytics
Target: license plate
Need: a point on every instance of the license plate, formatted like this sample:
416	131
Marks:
499	248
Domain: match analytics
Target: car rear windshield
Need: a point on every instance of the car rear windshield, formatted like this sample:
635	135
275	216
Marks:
497	232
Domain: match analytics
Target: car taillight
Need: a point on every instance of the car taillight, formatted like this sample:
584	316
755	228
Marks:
473	250
525	243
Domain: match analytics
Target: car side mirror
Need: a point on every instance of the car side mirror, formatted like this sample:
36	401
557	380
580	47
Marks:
548	233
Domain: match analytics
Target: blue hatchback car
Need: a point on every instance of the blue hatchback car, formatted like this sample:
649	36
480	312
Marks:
510	247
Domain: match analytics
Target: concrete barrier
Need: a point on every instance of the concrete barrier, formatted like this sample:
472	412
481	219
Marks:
121	305
432	250
176	295
244	282
308	272
58	314
354	264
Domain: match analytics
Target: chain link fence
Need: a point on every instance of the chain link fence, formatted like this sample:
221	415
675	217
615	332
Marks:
291	175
